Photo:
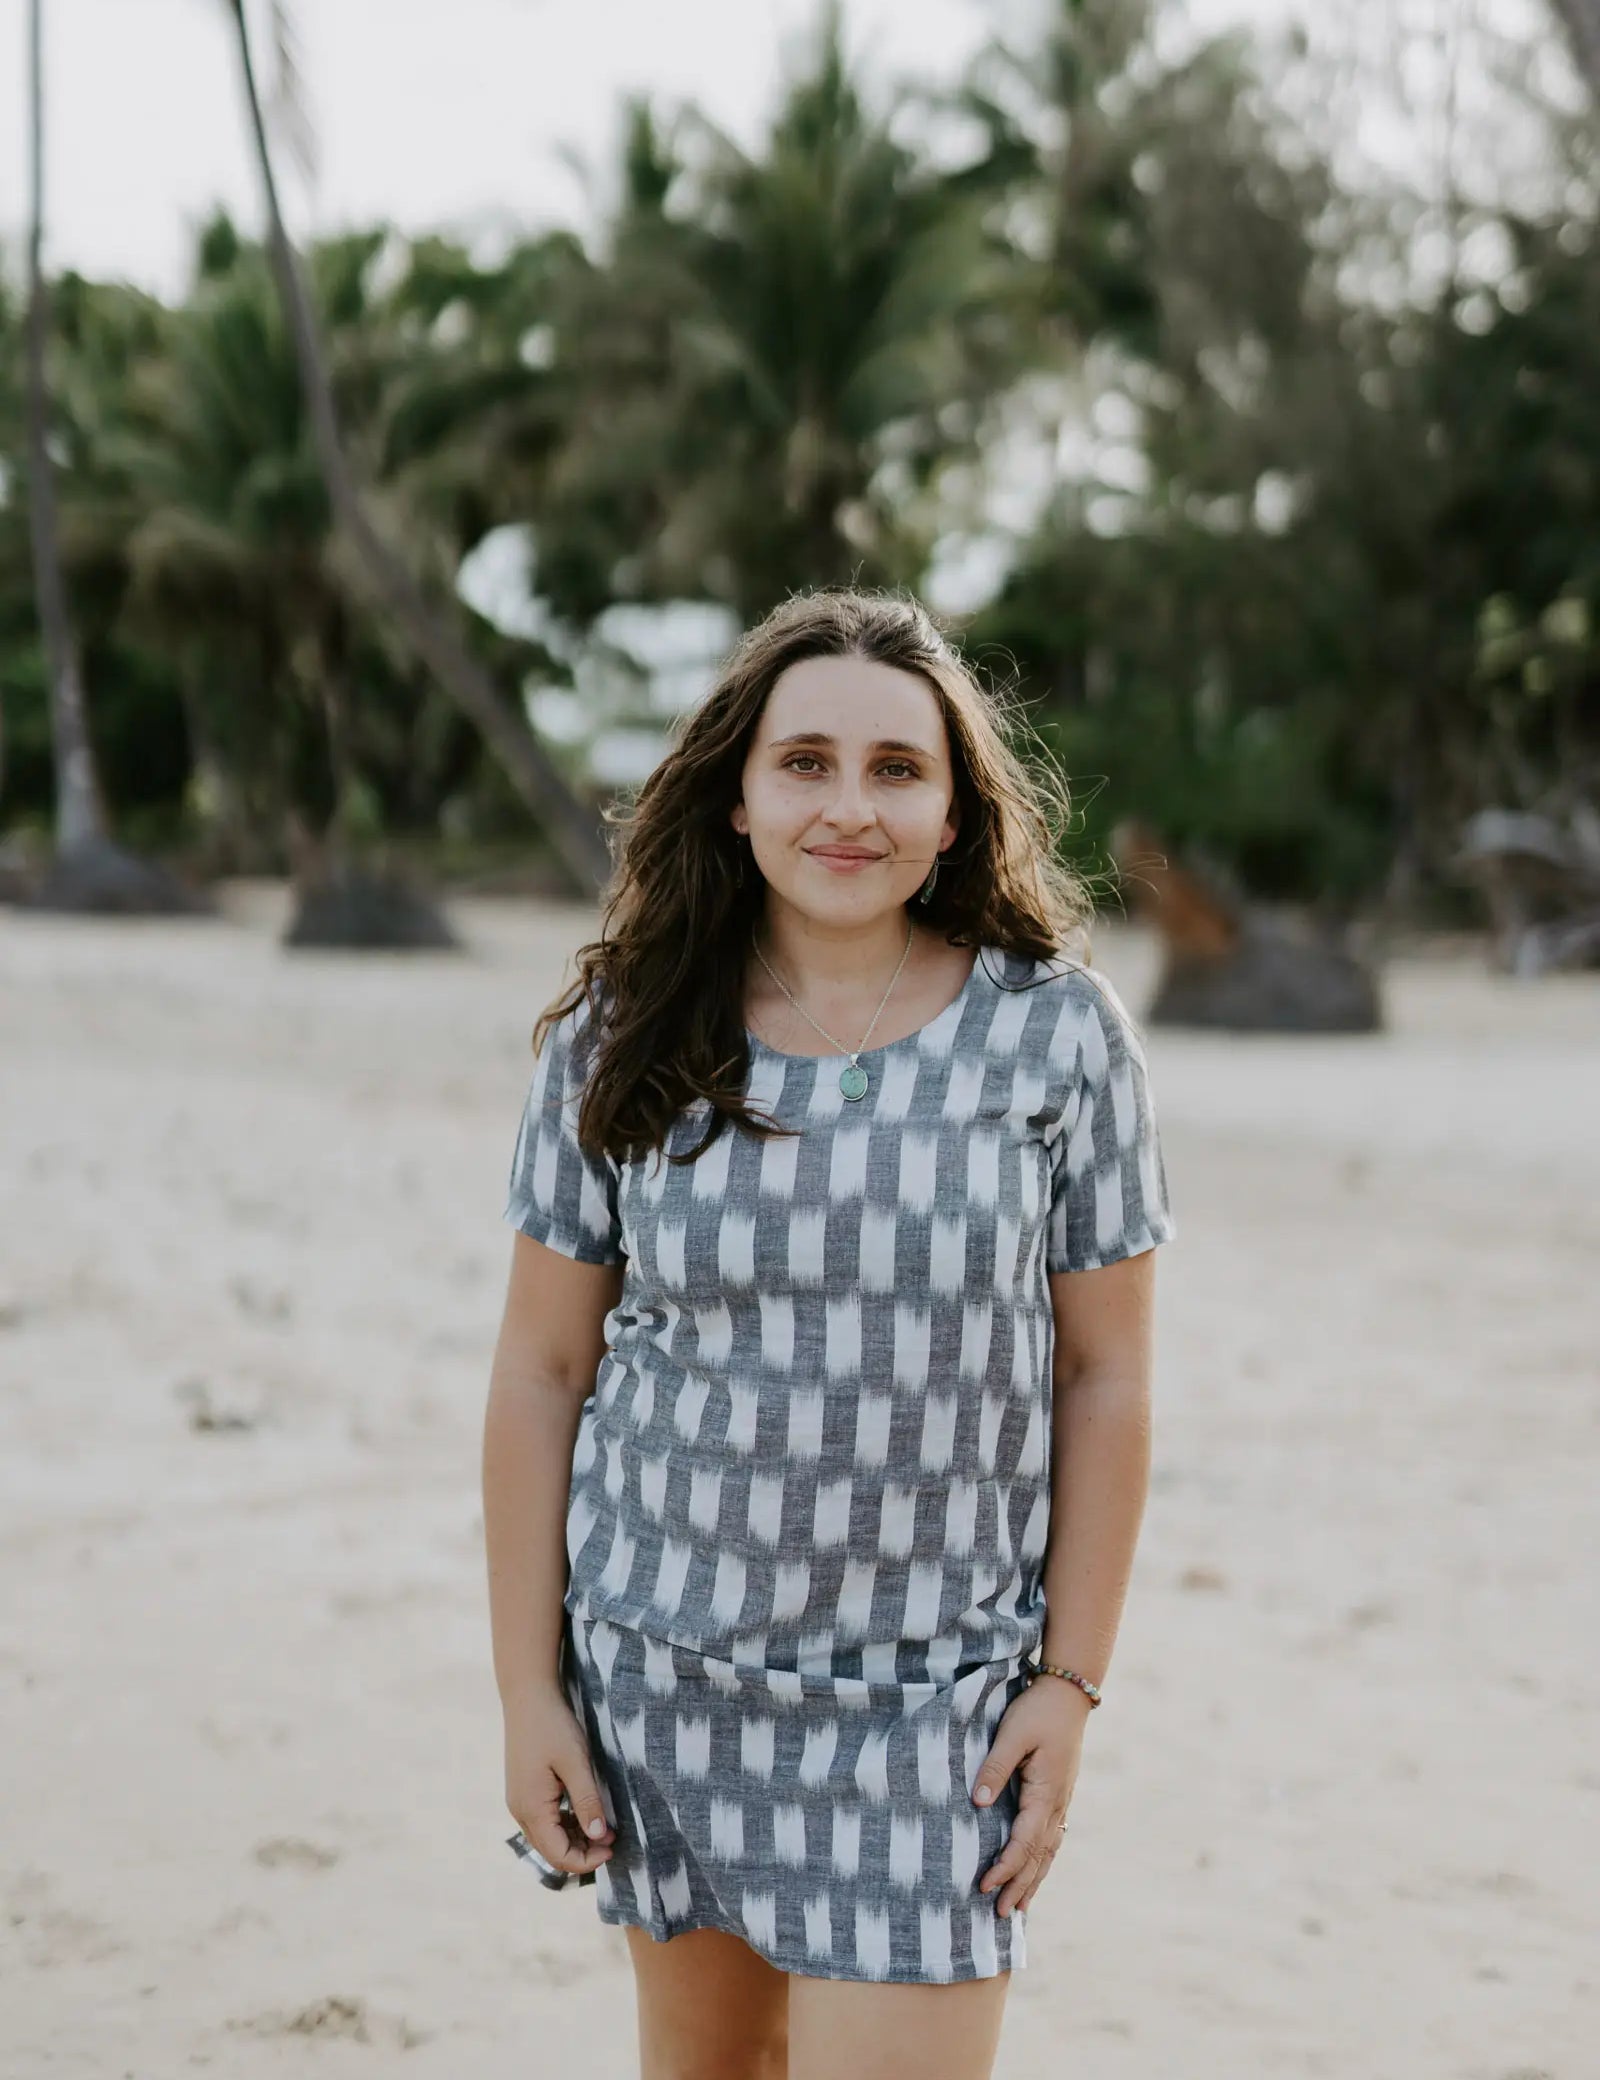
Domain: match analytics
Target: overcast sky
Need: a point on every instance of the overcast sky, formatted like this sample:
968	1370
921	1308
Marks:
426	111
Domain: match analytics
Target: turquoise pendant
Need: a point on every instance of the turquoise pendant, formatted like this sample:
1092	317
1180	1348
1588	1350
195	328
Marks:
853	1081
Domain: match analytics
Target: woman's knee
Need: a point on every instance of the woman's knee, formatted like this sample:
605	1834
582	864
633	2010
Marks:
889	2030
710	2008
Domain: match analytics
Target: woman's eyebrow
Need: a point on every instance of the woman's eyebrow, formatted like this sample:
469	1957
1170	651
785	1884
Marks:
817	736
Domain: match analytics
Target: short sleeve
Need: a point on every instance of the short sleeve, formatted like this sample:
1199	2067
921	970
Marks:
561	1193
1108	1177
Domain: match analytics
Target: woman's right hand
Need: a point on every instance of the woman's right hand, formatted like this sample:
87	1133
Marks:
547	1752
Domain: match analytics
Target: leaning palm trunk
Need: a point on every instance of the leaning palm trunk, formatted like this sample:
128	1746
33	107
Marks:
1581	20
88	872
80	811
576	834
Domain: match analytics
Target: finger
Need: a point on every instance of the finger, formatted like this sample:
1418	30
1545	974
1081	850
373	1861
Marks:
1012	1860
1037	1821
1018	1890
999	1766
1016	1859
1056	1835
548	1827
583	1790
1026	1899
1029	1868
552	1825
1035	1836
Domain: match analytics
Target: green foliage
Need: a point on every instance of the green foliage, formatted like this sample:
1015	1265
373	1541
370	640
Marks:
1318	574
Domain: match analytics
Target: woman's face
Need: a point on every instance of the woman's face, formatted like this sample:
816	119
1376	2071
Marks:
848	790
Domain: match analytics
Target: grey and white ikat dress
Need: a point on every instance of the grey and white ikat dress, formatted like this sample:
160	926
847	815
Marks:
810	1491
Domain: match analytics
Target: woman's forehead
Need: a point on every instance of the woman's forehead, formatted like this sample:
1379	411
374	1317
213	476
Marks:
852	700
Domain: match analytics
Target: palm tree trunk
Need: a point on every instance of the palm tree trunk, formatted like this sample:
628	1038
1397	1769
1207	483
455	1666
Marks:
1581	20
230	839
576	834
80	807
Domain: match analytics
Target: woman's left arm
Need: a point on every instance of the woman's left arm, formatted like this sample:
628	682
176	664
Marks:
1100	1457
1099	1479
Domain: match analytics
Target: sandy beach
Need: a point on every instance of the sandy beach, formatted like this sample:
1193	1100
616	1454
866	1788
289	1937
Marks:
1340	1816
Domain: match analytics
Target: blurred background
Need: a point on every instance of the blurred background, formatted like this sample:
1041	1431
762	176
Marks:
402	409
1229	370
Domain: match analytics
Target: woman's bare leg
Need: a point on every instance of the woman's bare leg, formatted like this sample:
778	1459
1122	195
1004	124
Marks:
881	2030
710	2008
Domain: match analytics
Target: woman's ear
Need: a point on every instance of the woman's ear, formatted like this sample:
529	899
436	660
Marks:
740	820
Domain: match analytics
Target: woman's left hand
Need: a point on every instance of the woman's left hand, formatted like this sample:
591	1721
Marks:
1040	1734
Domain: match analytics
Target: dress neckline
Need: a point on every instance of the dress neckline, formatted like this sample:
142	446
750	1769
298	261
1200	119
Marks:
951	1013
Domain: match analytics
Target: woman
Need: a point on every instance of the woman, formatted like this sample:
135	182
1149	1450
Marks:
820	1406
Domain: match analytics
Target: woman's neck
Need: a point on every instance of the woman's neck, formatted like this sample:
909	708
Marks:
828	963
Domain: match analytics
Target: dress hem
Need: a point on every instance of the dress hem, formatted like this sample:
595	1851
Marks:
812	1968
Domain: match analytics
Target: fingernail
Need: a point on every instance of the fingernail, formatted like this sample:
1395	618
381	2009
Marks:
983	1794
597	1827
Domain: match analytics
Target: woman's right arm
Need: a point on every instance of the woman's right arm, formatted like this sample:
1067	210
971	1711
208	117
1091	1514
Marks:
546	1357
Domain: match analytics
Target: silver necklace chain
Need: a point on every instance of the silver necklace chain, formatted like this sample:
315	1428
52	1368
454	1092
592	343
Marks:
853	1078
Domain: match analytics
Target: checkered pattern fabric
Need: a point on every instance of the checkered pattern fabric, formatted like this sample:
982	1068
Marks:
810	1491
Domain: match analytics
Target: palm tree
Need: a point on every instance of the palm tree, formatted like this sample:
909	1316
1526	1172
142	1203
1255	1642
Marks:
840	336
211	484
211	491
776	357
88	872
578	839
8	418
1046	107
1581	20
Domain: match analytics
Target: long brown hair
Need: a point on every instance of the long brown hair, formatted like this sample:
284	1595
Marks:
665	979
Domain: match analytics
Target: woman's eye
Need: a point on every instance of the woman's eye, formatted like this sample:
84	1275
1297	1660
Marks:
900	764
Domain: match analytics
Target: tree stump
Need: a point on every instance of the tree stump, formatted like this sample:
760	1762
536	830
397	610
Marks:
376	909
100	879
22	864
1541	885
1228	968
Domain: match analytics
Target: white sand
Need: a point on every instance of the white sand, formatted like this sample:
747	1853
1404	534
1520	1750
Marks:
1338	1816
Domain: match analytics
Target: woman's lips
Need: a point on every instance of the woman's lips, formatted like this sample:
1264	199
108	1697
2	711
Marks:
847	862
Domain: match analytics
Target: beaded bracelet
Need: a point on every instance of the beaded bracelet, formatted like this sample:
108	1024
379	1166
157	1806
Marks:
1090	1690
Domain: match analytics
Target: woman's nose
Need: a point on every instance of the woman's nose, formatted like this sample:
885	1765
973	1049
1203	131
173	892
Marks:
849	804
